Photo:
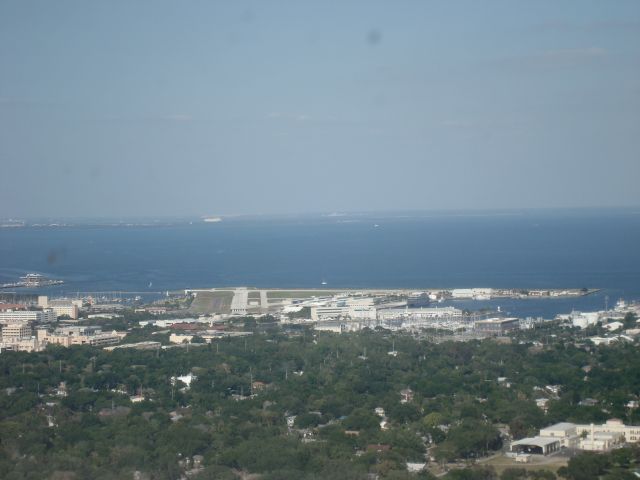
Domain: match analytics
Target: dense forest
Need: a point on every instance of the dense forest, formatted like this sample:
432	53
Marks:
301	405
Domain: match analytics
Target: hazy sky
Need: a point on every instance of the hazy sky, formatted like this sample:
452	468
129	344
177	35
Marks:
211	107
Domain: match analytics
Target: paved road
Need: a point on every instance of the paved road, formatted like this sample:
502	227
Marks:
239	302
264	304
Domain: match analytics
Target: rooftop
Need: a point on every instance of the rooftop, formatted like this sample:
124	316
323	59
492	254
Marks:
564	426
537	441
497	320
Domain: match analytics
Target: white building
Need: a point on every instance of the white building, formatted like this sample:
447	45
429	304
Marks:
167	323
603	340
476	293
565	432
631	433
613	326
584	437
358	309
338	326
497	326
421	313
186	379
584	319
25	316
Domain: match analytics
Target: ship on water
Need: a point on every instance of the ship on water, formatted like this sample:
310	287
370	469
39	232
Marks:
32	280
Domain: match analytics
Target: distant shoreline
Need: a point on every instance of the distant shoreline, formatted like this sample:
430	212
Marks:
516	293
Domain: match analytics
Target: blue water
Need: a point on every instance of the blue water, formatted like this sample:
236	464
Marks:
561	249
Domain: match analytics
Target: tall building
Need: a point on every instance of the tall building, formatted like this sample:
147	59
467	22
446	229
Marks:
62	307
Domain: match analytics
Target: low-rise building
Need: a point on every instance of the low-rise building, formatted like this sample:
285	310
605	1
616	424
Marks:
497	326
339	326
15	331
343	310
28	344
428	313
536	446
603	340
631	433
12	307
180	338
147	345
26	316
565	432
584	319
584	437
67	336
476	293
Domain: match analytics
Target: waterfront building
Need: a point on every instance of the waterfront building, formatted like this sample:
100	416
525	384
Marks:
356	308
432	313
475	293
418	299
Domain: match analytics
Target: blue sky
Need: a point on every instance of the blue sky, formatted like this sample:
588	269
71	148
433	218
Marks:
202	107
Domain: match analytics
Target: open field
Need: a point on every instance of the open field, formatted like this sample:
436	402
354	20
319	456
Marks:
218	301
552	463
254	295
